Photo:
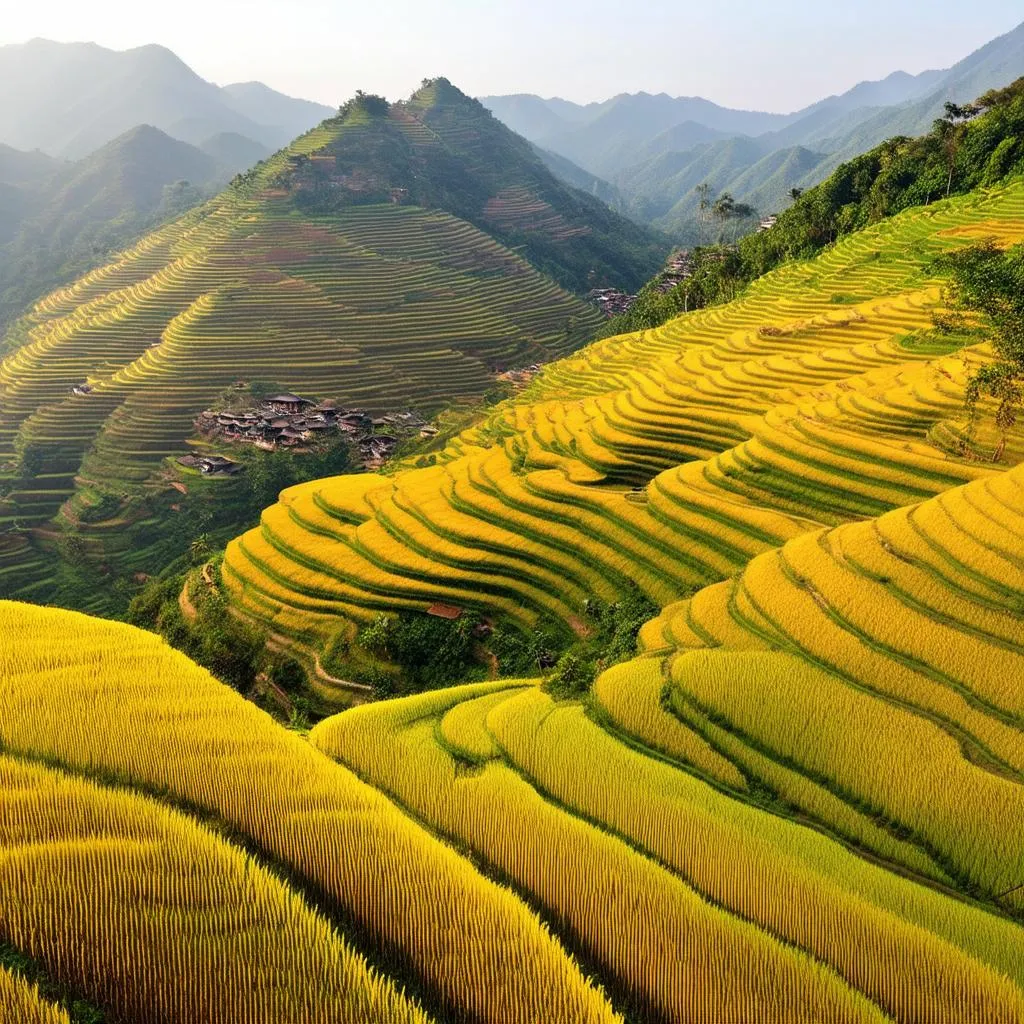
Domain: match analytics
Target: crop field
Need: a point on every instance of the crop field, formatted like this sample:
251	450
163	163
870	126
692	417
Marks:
810	778
799	799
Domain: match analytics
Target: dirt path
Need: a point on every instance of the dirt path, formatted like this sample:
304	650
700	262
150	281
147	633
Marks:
188	609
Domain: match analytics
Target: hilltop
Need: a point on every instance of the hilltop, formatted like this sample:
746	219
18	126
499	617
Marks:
395	257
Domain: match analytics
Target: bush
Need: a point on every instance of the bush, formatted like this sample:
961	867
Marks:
430	652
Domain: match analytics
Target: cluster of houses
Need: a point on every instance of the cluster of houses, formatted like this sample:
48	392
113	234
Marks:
289	421
767	223
282	421
611	301
678	268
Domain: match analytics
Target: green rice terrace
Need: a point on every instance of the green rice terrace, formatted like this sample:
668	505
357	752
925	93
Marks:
394	257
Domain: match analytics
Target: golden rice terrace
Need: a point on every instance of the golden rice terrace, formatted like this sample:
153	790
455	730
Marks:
800	801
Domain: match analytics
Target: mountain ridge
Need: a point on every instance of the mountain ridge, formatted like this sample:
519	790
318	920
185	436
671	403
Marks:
75	97
396	256
837	127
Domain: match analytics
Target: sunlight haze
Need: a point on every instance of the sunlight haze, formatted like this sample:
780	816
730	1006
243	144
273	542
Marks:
581	51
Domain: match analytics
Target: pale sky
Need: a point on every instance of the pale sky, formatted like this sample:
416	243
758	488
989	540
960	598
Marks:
776	55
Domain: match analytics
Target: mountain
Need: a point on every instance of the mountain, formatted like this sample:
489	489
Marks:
574	175
606	142
643	144
235	151
396	256
20	174
75	97
59	219
288	117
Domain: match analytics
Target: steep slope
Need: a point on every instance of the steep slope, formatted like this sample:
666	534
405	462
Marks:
571	174
153	914
755	388
799	800
75	97
364	263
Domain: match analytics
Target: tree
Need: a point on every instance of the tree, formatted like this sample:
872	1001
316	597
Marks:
724	207
703	205
950	131
795	193
740	213
987	280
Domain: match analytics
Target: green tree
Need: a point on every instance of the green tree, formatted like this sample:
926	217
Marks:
740	213
795	193
723	209
950	131
987	280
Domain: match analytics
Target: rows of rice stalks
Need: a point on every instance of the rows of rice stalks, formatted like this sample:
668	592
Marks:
669	460
380	306
799	801
152	917
664	912
144	714
21	1003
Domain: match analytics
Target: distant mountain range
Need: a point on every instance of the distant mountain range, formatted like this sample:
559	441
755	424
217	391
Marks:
60	218
650	152
75	97
103	145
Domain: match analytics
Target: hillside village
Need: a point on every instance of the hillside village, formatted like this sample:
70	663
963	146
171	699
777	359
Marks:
613	302
289	421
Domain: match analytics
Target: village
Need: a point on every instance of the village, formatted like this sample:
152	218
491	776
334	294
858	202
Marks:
288	421
613	302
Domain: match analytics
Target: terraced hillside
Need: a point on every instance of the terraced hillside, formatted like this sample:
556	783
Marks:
801	799
665	460
335	269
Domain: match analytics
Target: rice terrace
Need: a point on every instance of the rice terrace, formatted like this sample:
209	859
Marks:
439	587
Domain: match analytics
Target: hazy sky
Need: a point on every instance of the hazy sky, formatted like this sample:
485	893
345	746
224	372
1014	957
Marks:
765	54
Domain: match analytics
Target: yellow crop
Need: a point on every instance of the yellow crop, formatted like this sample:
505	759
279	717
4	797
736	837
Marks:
21	1003
645	927
903	766
153	917
144	712
874	928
